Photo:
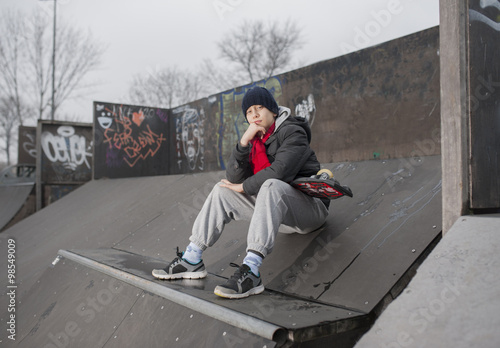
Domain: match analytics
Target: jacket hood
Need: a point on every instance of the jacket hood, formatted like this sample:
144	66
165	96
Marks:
285	115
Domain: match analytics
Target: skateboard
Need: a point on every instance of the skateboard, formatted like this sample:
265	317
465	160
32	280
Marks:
322	185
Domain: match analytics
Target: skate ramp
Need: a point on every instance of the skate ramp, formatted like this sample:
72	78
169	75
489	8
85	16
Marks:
12	199
76	306
323	287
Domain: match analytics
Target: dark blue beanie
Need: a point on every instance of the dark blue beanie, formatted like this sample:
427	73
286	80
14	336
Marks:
259	96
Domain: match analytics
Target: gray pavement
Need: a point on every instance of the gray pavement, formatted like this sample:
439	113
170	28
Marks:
454	300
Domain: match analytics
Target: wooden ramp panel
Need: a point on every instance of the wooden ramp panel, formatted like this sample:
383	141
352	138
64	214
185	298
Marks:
74	306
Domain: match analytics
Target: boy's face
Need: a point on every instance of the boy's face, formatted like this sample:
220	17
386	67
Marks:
261	116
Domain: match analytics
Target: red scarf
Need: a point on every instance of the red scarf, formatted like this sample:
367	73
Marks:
258	156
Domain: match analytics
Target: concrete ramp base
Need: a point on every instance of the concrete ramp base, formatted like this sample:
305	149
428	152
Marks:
454	299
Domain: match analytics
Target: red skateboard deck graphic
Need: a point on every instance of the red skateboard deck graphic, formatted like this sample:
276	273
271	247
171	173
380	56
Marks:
322	185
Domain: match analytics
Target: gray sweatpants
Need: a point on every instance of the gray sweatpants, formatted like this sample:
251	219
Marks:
278	206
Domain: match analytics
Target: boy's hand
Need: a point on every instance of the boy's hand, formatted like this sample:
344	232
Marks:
254	130
235	187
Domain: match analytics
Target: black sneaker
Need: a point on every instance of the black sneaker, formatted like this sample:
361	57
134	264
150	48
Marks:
181	269
242	283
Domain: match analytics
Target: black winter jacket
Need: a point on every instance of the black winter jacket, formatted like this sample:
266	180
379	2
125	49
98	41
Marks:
288	152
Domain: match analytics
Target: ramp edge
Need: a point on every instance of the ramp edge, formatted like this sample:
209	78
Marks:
226	315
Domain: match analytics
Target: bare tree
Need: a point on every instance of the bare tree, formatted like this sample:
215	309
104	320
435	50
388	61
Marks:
13	107
281	43
77	53
165	88
12	59
8	122
254	51
259	50
218	79
26	65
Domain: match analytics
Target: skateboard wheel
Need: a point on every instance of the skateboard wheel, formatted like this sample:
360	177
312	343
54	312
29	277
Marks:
324	172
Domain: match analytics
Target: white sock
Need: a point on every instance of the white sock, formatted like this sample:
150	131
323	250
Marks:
192	254
253	261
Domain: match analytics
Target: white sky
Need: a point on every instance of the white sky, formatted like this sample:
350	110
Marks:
144	35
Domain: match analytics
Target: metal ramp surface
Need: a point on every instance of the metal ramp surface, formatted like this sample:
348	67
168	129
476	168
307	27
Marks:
319	287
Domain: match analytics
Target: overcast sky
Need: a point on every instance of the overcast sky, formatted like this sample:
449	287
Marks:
146	35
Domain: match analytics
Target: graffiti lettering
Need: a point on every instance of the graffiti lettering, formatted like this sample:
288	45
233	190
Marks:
129	133
67	148
476	16
490	3
306	109
30	146
146	144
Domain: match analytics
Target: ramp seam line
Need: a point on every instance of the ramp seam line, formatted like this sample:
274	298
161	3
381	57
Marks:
121	322
139	228
330	283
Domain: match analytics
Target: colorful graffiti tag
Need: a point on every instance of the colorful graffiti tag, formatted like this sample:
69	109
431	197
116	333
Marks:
130	138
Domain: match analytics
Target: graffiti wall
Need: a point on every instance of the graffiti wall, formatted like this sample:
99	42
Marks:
207	130
380	102
65	152
190	144
130	140
64	158
484	72
26	148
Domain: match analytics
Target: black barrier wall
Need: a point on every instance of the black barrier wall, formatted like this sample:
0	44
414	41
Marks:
65	152
484	70
64	159
378	103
